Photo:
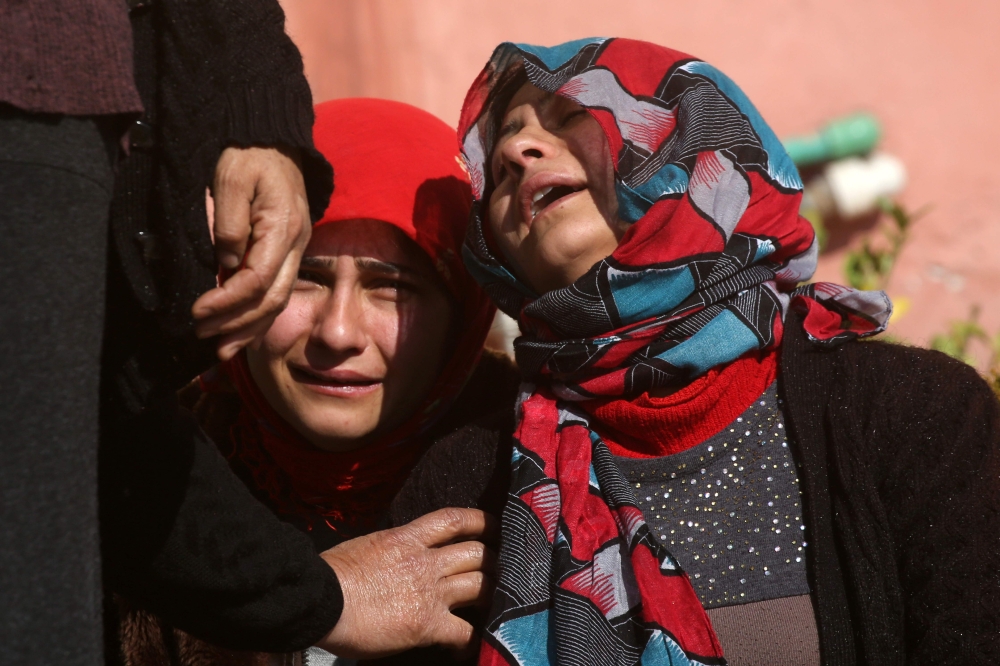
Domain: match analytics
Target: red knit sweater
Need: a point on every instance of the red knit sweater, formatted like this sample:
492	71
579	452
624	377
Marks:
649	427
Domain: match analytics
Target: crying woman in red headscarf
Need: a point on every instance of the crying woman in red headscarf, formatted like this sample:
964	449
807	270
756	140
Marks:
378	353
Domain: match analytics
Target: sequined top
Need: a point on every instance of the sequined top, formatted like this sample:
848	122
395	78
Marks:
730	509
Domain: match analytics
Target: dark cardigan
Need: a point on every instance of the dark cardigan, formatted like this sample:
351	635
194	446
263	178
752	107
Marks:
900	454
72	57
211	75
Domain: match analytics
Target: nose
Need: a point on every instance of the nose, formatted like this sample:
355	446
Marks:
340	324
531	143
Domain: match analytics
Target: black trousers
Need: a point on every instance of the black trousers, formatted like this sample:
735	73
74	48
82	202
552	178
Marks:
55	188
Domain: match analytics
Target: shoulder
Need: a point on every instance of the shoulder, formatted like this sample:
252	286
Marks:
924	407
913	418
491	388
901	377
899	407
466	468
879	374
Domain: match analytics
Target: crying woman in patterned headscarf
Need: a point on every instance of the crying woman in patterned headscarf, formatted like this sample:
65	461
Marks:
705	464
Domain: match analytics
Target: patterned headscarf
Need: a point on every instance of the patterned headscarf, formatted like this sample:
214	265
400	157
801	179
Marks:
710	264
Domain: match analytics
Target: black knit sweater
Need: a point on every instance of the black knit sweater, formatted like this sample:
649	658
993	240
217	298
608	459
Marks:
900	450
211	75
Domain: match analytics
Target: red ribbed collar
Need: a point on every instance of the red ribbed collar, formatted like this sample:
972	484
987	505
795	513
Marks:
651	427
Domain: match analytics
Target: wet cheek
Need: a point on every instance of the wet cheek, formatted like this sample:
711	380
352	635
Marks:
420	336
291	325
383	326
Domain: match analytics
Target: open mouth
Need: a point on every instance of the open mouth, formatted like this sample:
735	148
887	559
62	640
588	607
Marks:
547	196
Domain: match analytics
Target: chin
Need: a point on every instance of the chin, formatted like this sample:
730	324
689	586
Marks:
331	429
575	235
569	261
346	437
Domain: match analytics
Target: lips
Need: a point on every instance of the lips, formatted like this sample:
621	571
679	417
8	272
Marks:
547	196
337	383
542	191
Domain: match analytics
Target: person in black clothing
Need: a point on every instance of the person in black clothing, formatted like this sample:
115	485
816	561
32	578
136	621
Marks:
103	320
67	93
705	463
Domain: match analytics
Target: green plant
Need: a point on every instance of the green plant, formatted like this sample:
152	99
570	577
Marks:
956	343
870	267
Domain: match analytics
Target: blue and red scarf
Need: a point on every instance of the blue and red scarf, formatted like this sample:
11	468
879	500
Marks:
709	267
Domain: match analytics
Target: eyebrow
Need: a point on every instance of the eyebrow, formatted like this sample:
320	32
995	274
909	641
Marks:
384	267
363	263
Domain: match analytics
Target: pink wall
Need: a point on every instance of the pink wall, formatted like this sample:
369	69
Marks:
929	70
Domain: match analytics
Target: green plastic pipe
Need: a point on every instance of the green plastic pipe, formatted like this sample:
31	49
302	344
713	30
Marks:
855	134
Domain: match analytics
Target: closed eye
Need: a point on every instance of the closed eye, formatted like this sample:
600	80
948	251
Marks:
393	290
570	117
311	277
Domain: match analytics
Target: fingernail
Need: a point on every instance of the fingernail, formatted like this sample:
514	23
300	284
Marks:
229	260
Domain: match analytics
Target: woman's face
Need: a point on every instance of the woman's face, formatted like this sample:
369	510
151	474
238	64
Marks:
553	209
362	340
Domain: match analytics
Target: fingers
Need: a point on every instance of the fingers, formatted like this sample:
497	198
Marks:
242	300
260	204
455	633
468	589
464	557
230	345
392	581
233	190
446	525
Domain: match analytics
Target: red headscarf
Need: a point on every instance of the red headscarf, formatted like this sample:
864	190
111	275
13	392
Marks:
397	164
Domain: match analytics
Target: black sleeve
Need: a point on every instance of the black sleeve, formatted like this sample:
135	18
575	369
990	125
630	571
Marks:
184	538
470	468
238	52
268	100
935	432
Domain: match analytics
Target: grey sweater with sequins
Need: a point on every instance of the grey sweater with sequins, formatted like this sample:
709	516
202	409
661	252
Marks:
730	509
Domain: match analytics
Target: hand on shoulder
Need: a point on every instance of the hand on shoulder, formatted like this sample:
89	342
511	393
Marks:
400	585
